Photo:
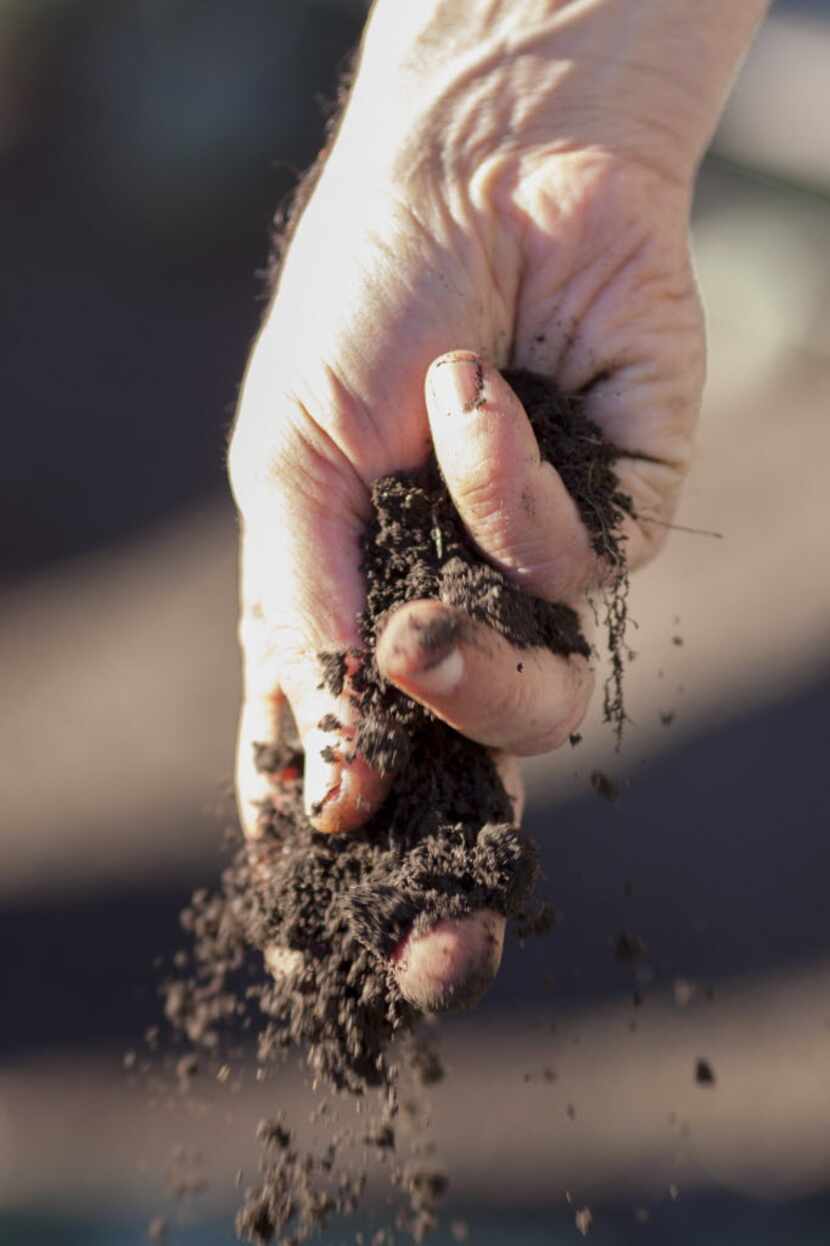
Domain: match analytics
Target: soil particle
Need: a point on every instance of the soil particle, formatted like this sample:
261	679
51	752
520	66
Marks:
272	1133
333	667
427	1064
187	1068
604	785
629	947
443	844
704	1073
383	1137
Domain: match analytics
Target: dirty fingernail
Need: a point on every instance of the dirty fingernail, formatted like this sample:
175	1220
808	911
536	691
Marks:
423	651
457	383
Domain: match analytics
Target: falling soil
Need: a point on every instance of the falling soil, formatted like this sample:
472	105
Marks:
442	845
704	1073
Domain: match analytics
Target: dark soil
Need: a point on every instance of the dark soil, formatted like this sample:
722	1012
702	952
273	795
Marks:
443	844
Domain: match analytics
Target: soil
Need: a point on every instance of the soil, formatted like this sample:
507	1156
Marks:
442	845
704	1073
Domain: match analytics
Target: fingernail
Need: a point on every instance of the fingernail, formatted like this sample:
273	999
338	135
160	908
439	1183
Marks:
424	652
457	383
323	772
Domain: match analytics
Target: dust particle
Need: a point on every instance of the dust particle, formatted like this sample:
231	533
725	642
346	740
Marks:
704	1073
629	947
604	785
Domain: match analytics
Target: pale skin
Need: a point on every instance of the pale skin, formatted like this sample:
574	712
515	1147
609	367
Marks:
509	187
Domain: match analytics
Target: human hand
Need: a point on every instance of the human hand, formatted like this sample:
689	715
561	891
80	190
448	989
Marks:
514	196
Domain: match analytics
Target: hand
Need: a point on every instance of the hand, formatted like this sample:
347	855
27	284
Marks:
469	206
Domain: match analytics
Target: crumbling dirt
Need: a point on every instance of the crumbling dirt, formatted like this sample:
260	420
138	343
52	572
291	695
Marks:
442	845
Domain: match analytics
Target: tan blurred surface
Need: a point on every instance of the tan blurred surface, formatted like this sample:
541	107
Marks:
595	1107
775	119
120	691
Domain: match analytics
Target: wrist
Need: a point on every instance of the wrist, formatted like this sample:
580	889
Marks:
452	83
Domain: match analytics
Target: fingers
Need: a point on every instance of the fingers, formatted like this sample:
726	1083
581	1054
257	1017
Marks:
629	337
451	964
524	701
636	411
282	667
340	788
514	506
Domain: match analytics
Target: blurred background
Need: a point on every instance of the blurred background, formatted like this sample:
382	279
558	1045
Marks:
145	145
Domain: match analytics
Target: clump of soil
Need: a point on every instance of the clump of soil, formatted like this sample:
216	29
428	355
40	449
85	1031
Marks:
442	845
